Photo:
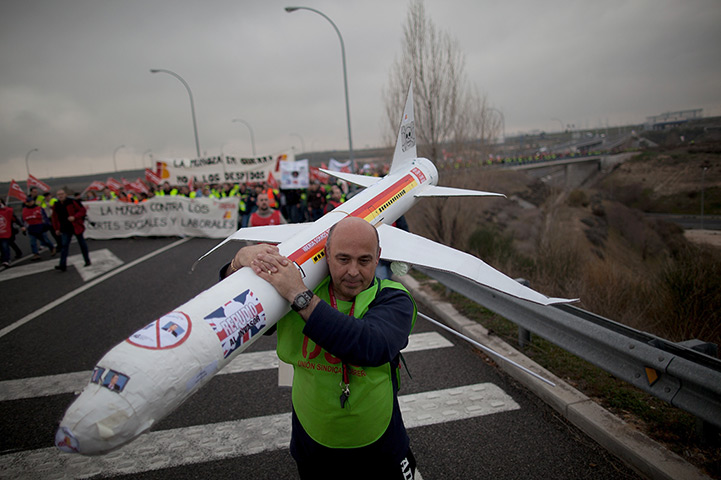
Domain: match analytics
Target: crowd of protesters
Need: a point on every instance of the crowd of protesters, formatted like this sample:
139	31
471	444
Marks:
258	204
293	205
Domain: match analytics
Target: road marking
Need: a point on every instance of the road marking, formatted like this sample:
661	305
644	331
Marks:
31	269
238	438
103	261
87	286
246	362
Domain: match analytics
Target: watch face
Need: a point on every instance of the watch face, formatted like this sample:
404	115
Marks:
302	300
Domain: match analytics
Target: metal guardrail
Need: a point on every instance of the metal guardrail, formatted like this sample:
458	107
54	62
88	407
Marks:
683	377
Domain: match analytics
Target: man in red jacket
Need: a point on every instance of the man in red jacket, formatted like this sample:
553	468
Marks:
7	218
68	220
265	215
36	223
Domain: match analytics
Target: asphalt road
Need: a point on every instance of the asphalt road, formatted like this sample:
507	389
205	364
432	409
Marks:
467	419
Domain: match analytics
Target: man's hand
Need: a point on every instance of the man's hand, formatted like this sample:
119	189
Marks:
274	268
280	272
247	255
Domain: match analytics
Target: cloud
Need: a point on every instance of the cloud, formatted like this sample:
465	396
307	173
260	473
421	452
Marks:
75	81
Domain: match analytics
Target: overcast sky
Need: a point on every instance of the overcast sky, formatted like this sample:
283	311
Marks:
75	80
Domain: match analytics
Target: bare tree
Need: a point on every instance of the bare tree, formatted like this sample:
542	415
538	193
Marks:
451	119
448	114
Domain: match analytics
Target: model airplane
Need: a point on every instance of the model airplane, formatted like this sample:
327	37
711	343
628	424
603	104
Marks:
146	377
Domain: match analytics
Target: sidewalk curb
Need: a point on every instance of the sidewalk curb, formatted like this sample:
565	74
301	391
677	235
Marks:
641	453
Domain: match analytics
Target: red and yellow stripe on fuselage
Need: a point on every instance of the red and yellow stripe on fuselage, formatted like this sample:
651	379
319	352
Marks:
315	249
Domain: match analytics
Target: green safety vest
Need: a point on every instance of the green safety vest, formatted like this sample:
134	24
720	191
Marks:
317	373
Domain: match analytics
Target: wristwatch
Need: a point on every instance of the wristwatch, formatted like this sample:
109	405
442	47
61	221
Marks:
302	300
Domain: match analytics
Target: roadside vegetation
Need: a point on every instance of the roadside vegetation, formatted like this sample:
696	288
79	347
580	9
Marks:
673	427
598	245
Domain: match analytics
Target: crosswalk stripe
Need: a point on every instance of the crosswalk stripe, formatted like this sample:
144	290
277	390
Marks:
246	362
232	439
87	286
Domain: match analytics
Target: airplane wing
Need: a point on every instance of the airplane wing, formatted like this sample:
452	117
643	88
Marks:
268	234
361	180
401	246
436	191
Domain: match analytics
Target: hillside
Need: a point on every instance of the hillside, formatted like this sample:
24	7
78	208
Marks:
596	243
669	180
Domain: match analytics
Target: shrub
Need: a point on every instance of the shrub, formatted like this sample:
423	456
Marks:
577	198
692	282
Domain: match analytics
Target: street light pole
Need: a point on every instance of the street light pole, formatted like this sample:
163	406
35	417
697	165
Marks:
192	104
115	163
252	138
27	155
345	75
703	181
302	143
142	159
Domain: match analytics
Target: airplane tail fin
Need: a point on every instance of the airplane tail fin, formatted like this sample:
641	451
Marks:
405	150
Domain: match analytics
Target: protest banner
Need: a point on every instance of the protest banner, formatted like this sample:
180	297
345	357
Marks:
337	166
162	216
220	169
294	174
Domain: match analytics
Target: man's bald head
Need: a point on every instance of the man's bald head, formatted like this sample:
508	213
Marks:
354	226
352	251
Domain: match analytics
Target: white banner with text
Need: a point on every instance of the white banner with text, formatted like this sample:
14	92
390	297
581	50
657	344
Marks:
162	216
220	169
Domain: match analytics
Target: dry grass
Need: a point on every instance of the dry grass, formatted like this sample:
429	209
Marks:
640	272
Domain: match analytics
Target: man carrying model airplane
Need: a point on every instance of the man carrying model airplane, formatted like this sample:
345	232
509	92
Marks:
344	341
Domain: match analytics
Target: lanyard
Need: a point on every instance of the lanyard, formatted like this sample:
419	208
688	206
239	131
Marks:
344	384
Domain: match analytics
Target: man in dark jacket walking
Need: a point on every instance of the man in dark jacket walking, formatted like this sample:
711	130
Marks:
68	220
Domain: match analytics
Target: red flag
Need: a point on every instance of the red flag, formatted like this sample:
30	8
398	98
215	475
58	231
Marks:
139	187
272	182
16	191
316	174
96	186
113	185
34	182
280	158
152	177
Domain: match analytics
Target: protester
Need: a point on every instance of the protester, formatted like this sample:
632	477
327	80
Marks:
315	201
69	219
294	205
36	223
265	215
356	326
335	200
8	220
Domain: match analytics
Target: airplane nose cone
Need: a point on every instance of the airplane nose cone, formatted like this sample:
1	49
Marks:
97	422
